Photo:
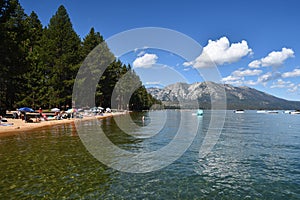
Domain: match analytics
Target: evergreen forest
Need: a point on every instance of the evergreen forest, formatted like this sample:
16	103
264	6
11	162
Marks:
39	64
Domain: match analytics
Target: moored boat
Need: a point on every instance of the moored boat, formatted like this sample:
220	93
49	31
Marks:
239	111
261	111
272	112
297	112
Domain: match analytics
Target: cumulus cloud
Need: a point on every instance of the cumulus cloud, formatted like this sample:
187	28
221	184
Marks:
250	82
231	78
247	72
294	73
141	53
255	64
268	77
273	59
238	77
293	89
145	61
220	52
143	48
282	84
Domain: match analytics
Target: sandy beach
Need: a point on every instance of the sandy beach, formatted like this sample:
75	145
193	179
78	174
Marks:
17	125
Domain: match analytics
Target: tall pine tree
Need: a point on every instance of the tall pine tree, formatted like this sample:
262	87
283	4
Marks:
13	52
32	94
62	45
97	57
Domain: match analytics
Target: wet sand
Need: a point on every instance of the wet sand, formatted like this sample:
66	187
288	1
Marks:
19	125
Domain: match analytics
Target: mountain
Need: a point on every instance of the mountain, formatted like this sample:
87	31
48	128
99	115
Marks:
199	95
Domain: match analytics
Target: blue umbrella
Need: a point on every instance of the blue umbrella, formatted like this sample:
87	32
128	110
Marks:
26	109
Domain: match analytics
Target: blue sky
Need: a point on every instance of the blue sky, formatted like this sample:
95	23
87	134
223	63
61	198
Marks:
252	43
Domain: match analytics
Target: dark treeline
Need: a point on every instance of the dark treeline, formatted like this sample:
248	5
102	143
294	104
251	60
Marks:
39	64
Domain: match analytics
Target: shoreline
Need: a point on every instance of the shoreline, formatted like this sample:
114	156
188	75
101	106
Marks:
20	126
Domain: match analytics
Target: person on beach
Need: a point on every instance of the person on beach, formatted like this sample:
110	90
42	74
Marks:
15	115
44	117
41	112
24	116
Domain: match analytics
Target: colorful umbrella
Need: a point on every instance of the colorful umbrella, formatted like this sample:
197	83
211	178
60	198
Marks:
55	110
26	109
72	110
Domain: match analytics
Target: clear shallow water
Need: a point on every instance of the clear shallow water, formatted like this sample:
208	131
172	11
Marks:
256	157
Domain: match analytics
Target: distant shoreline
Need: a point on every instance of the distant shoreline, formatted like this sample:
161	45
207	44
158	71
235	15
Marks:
19	125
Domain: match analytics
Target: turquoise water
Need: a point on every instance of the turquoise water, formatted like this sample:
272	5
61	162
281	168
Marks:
256	157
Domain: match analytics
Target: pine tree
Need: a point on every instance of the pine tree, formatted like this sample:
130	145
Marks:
39	65
62	45
32	94
92	40
96	58
13	51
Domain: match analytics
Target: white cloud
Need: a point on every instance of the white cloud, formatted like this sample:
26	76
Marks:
238	77
145	61
220	52
255	64
282	84
143	48
187	64
141	53
293	89
231	78
247	72
273	59
250	82
268	77
294	73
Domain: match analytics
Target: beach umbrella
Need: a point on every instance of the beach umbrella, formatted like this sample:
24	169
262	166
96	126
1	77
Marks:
72	110
26	109
55	110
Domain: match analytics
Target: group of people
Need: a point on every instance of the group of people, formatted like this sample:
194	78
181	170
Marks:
57	115
27	118
22	115
63	115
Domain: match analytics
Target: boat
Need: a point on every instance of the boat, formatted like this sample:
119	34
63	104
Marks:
287	111
297	112
272	112
239	111
200	112
261	111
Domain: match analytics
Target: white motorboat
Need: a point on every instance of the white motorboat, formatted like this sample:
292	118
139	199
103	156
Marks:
261	111
297	112
239	111
272	112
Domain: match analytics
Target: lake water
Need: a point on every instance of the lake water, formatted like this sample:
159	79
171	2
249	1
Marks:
256	156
